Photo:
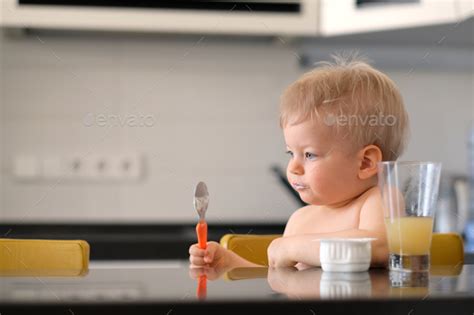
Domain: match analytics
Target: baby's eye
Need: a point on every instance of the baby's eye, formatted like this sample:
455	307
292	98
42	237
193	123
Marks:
289	153
310	156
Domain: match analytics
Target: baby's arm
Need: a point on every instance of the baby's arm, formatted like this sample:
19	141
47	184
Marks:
216	256
292	227
293	249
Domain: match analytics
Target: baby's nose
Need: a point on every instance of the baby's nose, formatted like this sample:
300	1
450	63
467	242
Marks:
295	167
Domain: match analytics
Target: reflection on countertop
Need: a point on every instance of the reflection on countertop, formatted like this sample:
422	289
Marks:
375	284
159	281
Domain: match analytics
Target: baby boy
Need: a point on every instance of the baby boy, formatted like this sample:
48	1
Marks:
339	120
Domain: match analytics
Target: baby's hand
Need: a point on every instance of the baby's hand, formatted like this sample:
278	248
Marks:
212	262
214	256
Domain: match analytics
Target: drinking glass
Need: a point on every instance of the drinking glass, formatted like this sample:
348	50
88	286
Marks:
409	194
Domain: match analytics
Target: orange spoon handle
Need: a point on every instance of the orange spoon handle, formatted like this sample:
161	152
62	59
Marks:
201	231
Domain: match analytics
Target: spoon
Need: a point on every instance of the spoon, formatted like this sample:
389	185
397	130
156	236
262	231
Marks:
201	200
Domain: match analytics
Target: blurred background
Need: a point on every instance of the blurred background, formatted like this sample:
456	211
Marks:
112	111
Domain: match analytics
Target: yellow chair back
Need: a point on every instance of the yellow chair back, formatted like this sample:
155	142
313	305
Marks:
43	257
446	248
249	246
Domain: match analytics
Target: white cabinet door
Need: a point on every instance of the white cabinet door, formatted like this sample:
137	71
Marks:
351	16
248	21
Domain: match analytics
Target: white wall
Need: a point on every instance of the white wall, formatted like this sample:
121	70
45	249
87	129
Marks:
441	109
215	107
215	103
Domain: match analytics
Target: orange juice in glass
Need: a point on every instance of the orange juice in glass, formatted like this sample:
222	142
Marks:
409	193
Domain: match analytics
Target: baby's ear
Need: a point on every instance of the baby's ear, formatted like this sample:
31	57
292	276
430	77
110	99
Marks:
369	156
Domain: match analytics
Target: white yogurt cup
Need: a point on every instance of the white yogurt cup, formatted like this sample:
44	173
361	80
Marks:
345	254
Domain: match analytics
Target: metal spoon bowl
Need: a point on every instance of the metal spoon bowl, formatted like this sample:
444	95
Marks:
201	199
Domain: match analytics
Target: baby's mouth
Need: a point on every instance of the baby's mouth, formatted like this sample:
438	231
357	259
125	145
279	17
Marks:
298	186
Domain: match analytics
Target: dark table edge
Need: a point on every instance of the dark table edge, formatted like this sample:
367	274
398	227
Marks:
377	306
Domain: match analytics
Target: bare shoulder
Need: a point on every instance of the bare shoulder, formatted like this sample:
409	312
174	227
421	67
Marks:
372	193
371	214
297	219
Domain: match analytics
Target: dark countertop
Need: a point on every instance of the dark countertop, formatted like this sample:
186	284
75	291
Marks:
166	287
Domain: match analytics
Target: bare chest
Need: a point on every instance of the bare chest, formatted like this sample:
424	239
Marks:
320	221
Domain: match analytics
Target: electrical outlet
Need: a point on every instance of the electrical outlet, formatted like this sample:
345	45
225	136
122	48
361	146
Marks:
92	167
75	168
26	167
113	167
124	167
52	167
96	167
129	166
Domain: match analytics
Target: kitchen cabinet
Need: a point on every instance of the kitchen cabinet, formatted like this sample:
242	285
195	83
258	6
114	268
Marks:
251	17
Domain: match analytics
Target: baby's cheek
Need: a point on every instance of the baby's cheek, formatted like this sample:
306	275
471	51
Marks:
323	188
318	181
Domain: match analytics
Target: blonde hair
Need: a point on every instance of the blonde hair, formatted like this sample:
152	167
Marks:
360	104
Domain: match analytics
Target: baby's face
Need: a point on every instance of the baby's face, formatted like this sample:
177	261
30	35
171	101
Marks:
319	169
